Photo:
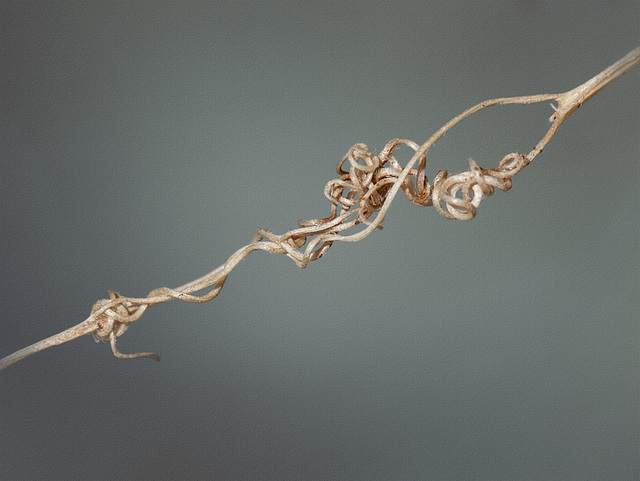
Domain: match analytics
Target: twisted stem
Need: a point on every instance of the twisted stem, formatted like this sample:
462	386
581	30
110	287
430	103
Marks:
360	198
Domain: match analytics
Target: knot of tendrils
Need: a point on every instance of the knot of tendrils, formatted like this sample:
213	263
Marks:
370	177
112	317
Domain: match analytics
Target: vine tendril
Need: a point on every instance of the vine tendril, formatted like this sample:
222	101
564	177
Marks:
360	198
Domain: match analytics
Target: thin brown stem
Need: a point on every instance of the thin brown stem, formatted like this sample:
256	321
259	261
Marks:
360	199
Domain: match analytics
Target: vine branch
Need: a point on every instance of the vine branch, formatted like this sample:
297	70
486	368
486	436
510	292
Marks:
360	198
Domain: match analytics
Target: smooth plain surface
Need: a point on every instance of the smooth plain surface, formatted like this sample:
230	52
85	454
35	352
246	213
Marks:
141	143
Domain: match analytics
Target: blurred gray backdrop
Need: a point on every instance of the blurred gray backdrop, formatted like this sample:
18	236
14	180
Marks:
141	143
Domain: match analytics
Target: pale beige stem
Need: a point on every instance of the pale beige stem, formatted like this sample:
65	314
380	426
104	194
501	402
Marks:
86	327
368	187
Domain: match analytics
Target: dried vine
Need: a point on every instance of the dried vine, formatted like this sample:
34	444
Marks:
360	198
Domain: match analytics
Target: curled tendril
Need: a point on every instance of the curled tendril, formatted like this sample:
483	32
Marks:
472	186
360	197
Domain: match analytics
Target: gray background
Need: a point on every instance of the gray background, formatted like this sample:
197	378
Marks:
142	143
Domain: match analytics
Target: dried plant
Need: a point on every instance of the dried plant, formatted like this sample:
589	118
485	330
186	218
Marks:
360	198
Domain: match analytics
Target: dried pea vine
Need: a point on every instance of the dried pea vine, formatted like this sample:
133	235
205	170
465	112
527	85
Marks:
360	197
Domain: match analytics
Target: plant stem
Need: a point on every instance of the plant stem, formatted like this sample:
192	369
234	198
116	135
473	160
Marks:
370	186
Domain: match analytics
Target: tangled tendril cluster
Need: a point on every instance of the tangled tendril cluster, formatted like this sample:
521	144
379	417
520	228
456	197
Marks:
371	177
